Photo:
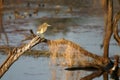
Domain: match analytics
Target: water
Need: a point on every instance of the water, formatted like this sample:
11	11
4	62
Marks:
29	68
87	31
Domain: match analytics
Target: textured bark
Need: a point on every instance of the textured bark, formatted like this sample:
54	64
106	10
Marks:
16	53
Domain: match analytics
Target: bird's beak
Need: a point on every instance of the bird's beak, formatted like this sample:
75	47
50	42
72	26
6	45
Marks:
49	25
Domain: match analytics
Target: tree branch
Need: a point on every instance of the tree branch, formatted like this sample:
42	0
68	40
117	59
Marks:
115	27
108	26
17	52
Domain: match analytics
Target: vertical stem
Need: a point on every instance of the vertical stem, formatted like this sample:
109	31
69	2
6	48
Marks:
108	27
105	76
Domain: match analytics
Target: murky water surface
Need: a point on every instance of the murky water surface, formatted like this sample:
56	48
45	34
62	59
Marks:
87	31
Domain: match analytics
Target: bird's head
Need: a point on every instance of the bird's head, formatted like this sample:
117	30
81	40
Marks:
46	24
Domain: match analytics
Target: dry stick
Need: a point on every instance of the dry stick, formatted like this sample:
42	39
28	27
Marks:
115	27
17	52
115	31
108	26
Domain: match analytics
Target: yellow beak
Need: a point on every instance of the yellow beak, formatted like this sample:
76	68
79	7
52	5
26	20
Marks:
48	25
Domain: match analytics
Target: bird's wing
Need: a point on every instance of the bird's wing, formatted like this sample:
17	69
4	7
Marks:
39	28
44	29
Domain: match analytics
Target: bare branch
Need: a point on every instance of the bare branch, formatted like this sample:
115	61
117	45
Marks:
17	52
108	26
115	27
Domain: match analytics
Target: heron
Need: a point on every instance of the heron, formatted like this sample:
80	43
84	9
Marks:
41	29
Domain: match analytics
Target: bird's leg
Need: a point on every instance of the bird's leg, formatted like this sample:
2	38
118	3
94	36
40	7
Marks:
42	35
39	35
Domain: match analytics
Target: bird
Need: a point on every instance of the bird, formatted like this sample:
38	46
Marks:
41	29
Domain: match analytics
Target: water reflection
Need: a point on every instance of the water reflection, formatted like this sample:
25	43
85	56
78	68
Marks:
78	32
58	73
86	31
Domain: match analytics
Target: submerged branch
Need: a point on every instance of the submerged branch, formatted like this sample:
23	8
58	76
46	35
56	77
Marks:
15	53
74	55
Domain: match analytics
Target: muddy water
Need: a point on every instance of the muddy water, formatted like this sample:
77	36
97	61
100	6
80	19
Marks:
87	31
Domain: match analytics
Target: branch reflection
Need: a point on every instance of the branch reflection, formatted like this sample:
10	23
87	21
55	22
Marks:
93	75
